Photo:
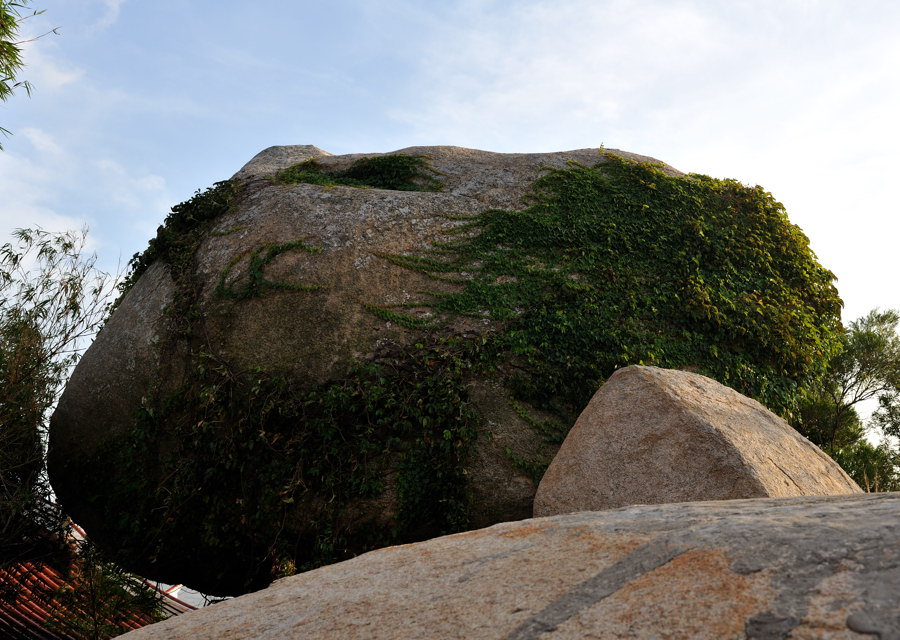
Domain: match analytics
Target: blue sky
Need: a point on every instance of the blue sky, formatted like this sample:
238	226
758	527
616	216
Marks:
137	104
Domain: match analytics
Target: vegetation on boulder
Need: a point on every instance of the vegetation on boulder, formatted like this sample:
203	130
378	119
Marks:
177	238
244	447
613	264
396	171
621	264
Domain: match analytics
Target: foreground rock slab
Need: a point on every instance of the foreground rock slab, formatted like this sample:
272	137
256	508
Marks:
652	436
823	567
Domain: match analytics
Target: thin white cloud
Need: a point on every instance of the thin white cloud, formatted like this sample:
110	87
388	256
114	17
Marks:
128	191
45	71
44	143
542	68
48	184
25	184
112	9
237	59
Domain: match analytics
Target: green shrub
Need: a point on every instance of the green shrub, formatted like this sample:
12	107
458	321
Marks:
397	171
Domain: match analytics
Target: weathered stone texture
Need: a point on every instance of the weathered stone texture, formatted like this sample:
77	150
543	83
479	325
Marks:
653	436
310	337
823	567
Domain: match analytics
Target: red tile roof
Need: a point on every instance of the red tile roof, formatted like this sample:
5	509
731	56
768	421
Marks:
23	617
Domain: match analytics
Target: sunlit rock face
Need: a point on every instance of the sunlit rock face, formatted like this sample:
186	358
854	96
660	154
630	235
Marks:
821	567
652	436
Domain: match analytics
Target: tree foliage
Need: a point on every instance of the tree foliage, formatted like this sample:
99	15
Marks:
52	298
866	367
10	51
873	467
12	13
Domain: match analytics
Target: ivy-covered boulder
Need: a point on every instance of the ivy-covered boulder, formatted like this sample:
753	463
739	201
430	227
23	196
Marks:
329	354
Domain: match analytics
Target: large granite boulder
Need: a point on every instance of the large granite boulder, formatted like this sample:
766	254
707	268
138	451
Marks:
652	435
825	567
144	357
330	354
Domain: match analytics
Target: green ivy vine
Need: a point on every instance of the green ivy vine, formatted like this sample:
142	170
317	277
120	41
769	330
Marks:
620	263
177	238
234	453
256	282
